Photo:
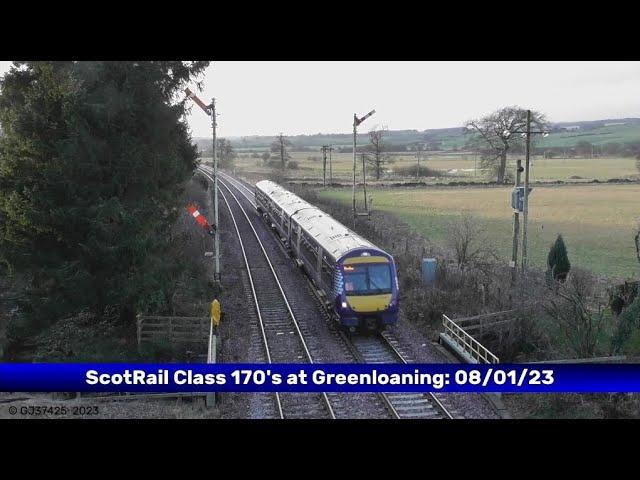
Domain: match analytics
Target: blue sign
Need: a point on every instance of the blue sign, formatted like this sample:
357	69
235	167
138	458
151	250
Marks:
517	198
333	377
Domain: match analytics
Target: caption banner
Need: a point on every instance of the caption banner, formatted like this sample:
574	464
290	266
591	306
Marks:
334	377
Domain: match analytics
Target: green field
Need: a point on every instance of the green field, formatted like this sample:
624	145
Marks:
454	166
598	133
596	136
596	221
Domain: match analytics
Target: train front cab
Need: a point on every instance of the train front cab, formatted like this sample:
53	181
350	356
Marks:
367	290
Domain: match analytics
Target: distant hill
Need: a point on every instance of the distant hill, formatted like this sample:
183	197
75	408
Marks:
591	124
601	132
564	134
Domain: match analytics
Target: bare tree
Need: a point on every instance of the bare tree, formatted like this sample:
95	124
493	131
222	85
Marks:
468	239
569	307
226	153
279	149
495	134
378	158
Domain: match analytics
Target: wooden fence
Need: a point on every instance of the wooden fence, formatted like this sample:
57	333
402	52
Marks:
175	330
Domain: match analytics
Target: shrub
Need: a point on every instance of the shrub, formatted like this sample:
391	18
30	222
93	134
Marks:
570	307
412	170
632	346
621	296
158	351
625	337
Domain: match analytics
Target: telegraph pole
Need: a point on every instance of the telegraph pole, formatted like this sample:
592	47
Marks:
356	121
355	127
516	227
281	138
324	165
215	192
475	164
364	183
330	165
526	193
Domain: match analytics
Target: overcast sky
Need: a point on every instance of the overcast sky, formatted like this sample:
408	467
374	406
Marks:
265	98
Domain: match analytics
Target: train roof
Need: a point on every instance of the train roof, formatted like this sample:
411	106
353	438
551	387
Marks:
333	236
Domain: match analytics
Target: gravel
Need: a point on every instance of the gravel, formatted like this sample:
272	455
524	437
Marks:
467	405
322	337
327	347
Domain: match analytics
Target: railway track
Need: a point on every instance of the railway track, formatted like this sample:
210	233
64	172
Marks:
385	348
282	338
382	348
241	186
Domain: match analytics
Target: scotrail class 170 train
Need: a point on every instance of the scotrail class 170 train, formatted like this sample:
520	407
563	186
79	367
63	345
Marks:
359	280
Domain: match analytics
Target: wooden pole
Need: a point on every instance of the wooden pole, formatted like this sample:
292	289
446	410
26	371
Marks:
364	184
526	194
324	166
355	125
516	228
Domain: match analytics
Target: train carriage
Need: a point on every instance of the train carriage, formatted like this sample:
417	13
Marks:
359	279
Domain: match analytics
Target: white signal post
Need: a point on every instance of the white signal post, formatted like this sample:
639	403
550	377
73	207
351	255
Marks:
210	399
211	111
357	121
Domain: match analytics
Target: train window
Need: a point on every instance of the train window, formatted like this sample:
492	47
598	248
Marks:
367	279
355	282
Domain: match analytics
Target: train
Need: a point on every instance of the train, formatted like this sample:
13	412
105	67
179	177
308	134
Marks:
358	280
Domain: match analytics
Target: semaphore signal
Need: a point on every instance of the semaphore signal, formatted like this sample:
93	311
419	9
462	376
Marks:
200	103
201	219
211	111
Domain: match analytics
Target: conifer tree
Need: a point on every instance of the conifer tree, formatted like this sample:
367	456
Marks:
93	158
558	260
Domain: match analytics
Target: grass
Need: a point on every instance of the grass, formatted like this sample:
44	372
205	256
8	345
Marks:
596	221
597	136
455	165
587	168
450	138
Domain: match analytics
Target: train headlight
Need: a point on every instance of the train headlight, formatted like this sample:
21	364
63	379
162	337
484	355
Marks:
344	305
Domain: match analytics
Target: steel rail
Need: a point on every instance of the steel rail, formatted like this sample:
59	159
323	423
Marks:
354	350
277	280
253	292
360	358
237	183
432	395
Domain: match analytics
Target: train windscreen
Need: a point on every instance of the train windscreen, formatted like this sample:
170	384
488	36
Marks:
367	279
